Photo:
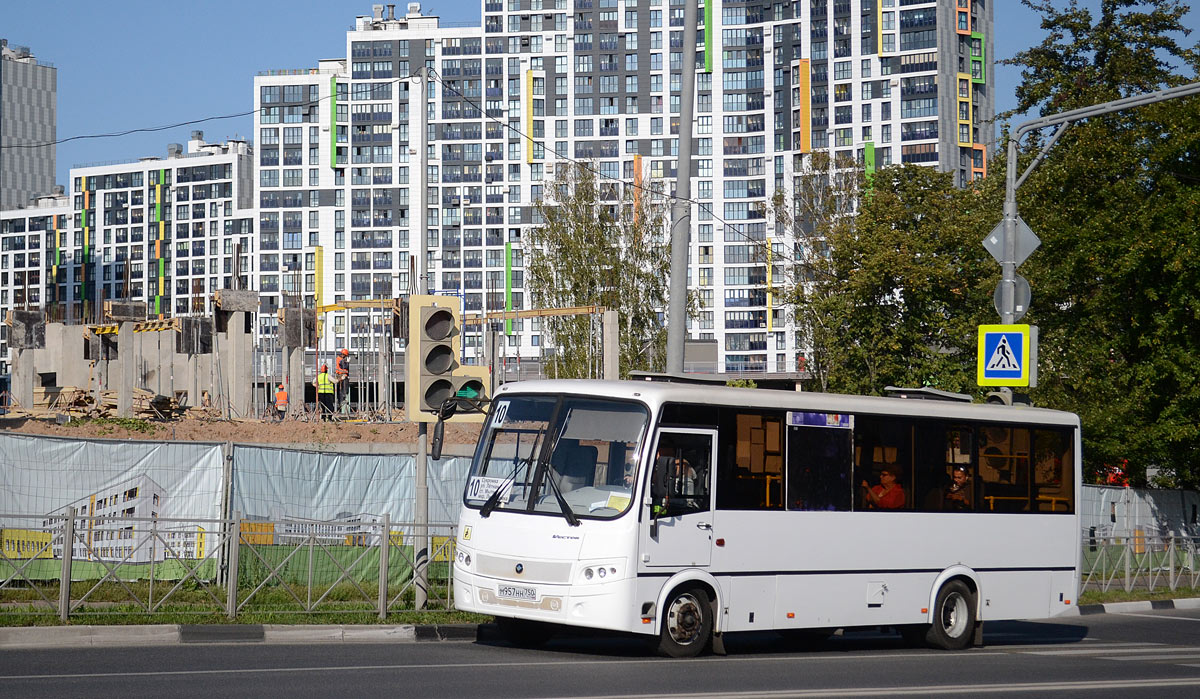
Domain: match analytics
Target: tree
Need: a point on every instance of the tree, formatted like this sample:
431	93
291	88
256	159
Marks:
1117	279
897	284
1082	61
600	243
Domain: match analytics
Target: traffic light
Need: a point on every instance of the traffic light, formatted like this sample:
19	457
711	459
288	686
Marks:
434	373
1003	396
434	345
1006	396
473	385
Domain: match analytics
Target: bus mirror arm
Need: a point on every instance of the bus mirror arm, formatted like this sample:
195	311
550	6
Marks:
658	491
449	407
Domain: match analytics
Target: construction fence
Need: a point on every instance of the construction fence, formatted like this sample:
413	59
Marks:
100	526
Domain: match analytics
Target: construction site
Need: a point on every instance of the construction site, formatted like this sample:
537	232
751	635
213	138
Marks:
231	365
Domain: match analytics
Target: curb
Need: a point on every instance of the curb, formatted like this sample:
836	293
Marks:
1142	606
199	634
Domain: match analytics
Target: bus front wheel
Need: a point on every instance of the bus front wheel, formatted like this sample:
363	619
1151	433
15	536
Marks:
953	618
687	624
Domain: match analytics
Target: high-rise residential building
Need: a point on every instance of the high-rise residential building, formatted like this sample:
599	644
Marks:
345	198
339	170
28	113
165	231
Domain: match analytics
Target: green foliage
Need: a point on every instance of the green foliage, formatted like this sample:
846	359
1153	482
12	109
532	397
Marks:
892	295
742	383
109	425
1086	60
600	244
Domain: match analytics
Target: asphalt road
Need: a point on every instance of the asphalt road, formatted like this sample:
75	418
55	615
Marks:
1145	654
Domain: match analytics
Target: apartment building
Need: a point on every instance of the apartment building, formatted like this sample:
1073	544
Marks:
339	172
28	124
164	230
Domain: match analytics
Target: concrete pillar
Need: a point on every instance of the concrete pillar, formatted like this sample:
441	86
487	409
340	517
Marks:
295	378
23	378
611	342
193	381
382	379
127	357
238	369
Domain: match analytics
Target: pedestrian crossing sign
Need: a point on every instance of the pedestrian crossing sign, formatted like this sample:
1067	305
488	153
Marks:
1004	355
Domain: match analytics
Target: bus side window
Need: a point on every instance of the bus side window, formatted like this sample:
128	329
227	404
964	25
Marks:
1004	469
818	468
1053	464
883	444
750	475
938	450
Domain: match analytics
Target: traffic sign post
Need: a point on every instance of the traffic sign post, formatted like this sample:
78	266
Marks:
1007	355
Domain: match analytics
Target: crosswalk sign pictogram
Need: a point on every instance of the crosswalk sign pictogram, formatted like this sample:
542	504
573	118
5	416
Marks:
1004	355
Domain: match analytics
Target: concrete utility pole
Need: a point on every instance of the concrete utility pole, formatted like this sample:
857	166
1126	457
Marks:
418	119
1010	248
681	207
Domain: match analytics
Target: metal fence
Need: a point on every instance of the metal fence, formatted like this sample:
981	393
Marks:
1141	562
230	568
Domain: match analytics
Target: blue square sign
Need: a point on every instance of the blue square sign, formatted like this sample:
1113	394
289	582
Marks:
1003	358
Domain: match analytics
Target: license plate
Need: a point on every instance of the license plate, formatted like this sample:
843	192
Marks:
517	592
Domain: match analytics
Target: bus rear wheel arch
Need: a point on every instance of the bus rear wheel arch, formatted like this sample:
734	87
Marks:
687	622
954	621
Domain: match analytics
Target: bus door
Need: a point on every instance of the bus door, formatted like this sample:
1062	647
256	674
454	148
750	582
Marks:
684	520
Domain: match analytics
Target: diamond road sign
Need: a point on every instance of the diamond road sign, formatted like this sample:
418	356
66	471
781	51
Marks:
1027	242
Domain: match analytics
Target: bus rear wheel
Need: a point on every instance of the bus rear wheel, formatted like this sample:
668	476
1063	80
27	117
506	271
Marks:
524	633
687	624
953	617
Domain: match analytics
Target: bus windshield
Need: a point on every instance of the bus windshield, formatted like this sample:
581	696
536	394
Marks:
587	447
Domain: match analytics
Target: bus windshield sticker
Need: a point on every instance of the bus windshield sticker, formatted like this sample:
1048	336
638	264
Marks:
618	502
499	414
482	487
840	420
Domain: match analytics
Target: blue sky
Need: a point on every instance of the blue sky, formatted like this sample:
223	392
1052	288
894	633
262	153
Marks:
136	63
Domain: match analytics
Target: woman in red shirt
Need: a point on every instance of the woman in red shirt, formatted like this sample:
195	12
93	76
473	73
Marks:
888	495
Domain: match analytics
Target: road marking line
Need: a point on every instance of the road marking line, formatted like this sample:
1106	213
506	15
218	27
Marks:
1158	616
1189	656
500	664
1034	687
1106	648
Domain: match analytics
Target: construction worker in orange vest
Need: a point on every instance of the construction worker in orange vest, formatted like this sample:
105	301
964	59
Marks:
281	403
341	374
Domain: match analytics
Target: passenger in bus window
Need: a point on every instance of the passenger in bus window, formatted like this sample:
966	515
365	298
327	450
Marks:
957	495
889	494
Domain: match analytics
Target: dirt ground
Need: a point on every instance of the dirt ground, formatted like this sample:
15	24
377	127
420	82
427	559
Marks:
295	432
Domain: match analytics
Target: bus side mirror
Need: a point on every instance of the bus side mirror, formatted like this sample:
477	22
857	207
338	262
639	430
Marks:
659	479
439	433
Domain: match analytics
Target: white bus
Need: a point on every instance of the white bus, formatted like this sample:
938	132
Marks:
685	512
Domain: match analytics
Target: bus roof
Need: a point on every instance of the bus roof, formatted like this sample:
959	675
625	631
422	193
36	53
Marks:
656	393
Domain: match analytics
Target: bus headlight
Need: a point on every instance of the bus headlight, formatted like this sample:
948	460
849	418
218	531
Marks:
603	571
464	559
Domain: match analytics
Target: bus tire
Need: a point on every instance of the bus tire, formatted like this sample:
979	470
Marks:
687	623
953	617
524	633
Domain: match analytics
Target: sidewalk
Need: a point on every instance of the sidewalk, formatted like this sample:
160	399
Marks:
1140	606
171	634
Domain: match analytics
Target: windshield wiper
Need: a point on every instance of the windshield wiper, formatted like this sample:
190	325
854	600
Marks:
568	513
493	500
